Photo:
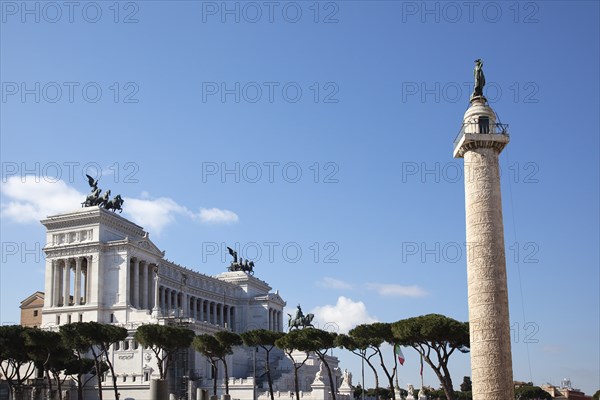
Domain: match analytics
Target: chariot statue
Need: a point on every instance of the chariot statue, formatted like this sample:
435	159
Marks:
241	265
94	198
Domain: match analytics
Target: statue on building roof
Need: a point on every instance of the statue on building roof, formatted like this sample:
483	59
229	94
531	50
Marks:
94	198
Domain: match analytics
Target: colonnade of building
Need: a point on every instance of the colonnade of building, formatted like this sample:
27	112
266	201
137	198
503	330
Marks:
141	284
189	306
70	281
275	320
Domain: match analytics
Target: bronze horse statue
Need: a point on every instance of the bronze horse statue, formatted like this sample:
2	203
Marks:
300	322
114	204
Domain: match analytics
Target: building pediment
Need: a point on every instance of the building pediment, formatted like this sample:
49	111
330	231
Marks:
149	246
35	300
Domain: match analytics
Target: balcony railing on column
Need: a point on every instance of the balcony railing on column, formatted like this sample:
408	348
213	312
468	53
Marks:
481	127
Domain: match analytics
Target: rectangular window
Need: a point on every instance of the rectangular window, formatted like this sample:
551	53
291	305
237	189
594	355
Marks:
80	317
69	319
112	317
35	313
58	320
146	376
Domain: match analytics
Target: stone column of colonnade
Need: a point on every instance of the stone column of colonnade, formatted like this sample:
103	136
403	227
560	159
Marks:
204	310
141	285
60	293
275	320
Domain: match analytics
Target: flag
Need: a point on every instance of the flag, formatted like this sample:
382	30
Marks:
400	355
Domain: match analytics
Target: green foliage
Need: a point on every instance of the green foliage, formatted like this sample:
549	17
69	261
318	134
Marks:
531	392
261	338
97	338
264	339
373	336
164	341
596	395
293	340
432	329
435	337
466	385
14	357
216	348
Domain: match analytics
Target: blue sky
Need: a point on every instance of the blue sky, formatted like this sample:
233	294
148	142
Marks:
318	136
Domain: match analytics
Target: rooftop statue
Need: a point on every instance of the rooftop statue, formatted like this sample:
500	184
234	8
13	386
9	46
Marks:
94	198
241	265
479	79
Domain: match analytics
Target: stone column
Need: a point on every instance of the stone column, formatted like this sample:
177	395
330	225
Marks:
85	280
185	299
280	321
145	284
234	319
480	142
213	317
56	284
77	291
201	310
486	270
66	283
156	308
136	283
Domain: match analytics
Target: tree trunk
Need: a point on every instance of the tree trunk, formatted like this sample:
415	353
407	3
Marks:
49	383
58	385
226	375
215	371
114	378
98	373
296	385
269	379
79	386
331	383
374	372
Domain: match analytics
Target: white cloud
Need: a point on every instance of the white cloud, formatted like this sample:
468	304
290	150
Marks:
154	214
217	216
31	198
342	316
394	290
332	283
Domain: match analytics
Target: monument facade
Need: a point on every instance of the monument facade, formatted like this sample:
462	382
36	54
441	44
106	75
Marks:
102	267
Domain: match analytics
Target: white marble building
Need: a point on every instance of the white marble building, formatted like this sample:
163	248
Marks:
102	267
